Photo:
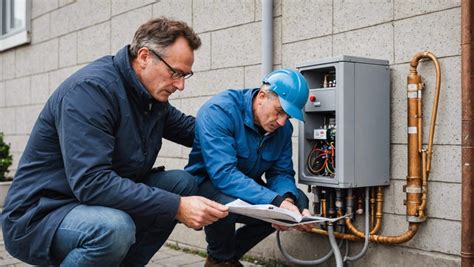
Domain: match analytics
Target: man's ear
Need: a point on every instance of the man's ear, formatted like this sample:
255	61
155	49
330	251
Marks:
142	57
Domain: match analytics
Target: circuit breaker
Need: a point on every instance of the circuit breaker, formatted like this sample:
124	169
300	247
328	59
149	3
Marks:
345	139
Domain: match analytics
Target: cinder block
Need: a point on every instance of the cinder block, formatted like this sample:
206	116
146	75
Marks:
1	67
125	25
387	255
368	13
40	7
202	56
185	152
190	106
305	19
68	50
70	18
40	29
175	9
26	117
3	94
9	62
207	83
123	6
93	42
438	32
253	76
66	2
17	142
8	120
37	58
224	14
235	47
39	88
276	9
444	201
170	149
294	54
448	123
14	167
445	163
277	40
433	235
18	92
373	42
407	8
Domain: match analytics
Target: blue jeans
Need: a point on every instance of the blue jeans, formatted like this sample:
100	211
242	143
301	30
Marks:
103	236
226	243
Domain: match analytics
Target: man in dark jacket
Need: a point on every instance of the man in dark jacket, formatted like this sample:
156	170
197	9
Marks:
85	193
241	135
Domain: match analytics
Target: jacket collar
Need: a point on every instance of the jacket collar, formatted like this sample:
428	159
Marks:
123	63
247	107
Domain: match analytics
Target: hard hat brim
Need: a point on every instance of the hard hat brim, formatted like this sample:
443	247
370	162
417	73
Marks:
291	110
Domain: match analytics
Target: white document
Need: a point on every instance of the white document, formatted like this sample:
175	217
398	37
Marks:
276	215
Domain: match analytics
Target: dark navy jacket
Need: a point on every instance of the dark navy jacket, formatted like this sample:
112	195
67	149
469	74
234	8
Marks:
95	140
229	150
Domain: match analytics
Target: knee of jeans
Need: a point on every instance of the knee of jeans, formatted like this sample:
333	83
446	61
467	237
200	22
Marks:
119	234
186	184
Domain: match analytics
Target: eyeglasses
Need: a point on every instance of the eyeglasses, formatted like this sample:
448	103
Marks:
175	74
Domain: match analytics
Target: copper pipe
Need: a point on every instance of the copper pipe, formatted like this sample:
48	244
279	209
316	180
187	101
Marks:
372	207
417	178
349	237
392	240
323	207
424	187
467	143
378	212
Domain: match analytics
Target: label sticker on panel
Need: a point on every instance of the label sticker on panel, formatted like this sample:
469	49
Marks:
320	134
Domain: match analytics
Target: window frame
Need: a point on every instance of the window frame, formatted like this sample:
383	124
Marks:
18	36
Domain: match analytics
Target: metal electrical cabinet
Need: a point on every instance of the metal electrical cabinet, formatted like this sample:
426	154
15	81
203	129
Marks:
345	140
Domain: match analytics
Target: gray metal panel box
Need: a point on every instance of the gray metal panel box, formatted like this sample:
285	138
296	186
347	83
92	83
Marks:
345	140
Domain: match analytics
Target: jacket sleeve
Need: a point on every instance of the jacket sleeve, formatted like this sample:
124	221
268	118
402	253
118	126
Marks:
280	176
179	127
215	131
85	119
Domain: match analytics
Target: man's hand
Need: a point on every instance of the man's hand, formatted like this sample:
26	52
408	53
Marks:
196	212
290	206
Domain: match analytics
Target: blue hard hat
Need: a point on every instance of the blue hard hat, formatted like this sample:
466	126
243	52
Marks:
292	90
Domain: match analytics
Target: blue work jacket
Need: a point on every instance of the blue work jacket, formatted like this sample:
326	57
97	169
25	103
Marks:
94	142
229	150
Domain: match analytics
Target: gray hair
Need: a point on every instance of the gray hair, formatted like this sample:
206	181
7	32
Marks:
266	88
160	33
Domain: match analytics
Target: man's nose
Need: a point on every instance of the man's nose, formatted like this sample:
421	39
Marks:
179	84
282	119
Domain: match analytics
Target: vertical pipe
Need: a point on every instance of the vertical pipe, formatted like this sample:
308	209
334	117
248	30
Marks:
267	37
467	143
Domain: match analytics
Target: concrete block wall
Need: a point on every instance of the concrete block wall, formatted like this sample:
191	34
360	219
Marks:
67	34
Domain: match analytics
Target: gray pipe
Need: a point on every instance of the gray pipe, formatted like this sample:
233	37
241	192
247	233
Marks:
367	231
267	37
296	261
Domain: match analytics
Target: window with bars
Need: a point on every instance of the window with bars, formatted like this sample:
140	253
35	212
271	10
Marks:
15	16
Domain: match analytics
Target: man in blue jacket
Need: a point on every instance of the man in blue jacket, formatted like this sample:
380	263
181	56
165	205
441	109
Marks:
85	193
241	135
